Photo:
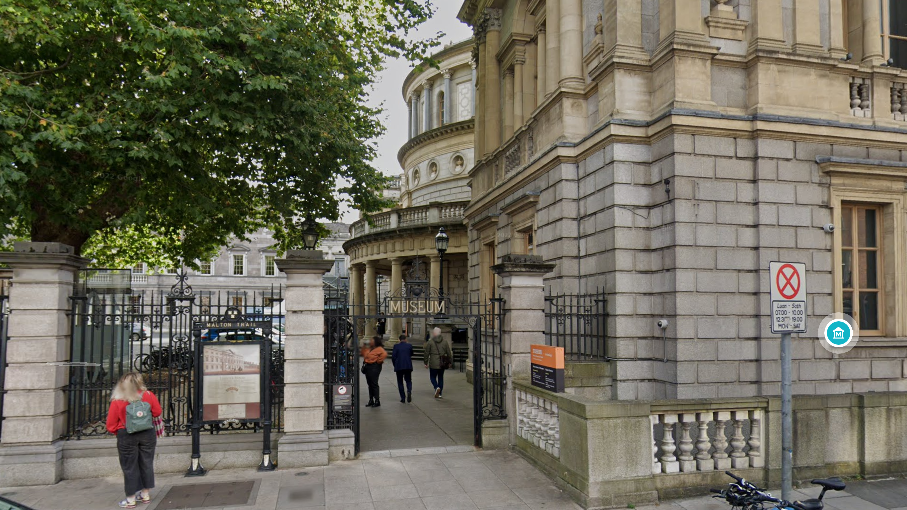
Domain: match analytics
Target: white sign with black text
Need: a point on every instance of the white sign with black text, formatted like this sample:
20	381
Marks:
788	295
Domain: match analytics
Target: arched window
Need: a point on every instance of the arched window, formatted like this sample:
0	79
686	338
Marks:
441	118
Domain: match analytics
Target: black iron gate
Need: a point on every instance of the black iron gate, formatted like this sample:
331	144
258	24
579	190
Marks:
346	323
4	314
116	329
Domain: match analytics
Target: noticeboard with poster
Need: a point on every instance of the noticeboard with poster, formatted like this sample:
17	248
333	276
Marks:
547	367
231	381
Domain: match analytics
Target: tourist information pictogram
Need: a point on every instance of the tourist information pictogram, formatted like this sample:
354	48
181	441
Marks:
788	295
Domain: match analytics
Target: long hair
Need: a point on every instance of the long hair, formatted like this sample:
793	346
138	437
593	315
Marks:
379	342
129	387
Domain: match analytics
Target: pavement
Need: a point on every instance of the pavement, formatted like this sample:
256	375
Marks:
426	422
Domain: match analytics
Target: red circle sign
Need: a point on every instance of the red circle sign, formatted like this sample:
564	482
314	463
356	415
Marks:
341	390
787	281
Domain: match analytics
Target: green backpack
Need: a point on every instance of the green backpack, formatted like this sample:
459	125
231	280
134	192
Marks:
138	416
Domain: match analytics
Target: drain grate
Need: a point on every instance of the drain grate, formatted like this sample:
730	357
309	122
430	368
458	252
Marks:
207	495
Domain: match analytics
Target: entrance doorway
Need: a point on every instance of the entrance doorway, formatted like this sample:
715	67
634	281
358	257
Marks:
473	387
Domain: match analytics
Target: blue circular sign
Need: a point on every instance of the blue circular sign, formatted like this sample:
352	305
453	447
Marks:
838	333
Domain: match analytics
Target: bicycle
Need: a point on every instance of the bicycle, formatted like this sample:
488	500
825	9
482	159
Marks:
744	495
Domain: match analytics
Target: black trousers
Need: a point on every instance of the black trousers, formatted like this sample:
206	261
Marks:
372	371
137	459
404	375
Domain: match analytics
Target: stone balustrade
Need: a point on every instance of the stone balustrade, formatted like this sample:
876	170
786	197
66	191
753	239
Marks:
537	422
899	101
861	97
410	217
711	440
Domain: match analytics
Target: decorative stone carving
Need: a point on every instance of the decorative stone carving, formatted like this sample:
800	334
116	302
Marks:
724	24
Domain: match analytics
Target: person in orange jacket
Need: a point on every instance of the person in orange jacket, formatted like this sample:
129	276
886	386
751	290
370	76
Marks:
373	360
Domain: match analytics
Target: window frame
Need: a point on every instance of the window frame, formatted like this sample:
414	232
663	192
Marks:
855	249
885	29
143	270
233	264
264	265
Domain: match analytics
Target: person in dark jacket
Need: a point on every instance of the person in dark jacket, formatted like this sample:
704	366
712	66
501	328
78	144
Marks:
402	358
438	357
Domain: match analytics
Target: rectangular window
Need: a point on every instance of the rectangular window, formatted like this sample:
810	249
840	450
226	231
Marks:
524	241
205	267
894	31
237	299
861	263
487	280
170	270
239	265
139	269
270	266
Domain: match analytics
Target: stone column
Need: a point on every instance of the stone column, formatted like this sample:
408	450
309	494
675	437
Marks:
492	105
872	37
409	106
553	29
448	99
396	325
518	98
479	103
39	336
523	292
472	91
806	27
356	294
836	28
371	297
540	63
426	94
305	442
571	44
681	21
414	109
434	277
767	27
508	102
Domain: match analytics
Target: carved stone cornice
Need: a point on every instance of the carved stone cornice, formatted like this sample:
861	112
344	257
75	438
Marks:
438	132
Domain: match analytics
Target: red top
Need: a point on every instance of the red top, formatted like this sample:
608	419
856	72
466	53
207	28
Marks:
116	417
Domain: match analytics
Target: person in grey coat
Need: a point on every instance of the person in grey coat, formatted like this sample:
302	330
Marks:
438	358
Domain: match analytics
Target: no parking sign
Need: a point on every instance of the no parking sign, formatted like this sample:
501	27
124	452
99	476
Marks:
788	294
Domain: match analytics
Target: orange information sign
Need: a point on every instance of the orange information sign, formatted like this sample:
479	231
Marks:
547	367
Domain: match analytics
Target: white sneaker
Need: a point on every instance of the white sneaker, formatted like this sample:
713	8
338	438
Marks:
437	392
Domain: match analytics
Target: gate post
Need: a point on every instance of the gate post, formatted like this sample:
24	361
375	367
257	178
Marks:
305	442
34	408
523	292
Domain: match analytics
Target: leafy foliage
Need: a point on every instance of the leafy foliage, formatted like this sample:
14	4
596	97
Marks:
164	127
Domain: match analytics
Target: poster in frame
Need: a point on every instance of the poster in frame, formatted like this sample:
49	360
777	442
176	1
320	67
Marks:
232	382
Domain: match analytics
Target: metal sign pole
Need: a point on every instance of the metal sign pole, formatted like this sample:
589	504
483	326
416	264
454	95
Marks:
195	464
266	463
786	420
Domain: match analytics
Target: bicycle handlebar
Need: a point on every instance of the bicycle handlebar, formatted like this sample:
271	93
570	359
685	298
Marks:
735	477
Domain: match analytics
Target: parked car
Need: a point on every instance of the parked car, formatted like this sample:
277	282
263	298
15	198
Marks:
140	332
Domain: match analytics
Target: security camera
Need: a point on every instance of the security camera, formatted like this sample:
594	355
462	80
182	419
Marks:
663	323
829	228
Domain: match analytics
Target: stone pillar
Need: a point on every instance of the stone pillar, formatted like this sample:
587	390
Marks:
356	293
472	91
448	99
540	63
553	29
523	292
426	94
396	325
305	442
767	28
508	103
414	109
836	28
872	36
371	297
39	336
479	102
623	27
434	277
409	106
518	70
681	21
571	44
492	105
806	27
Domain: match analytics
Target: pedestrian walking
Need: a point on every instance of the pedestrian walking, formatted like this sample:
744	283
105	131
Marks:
132	410
372	362
402	358
438	358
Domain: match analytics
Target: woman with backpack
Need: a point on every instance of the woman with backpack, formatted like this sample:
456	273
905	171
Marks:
131	417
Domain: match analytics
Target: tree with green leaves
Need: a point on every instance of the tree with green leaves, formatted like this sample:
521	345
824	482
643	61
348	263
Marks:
132	128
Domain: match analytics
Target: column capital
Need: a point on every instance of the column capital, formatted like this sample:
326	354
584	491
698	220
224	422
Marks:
434	258
395	260
508	72
427	85
370	264
473	64
492	19
446	73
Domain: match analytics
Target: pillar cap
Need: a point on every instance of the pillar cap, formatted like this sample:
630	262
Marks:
42	255
523	264
304	261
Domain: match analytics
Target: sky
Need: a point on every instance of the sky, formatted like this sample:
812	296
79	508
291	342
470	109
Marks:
388	90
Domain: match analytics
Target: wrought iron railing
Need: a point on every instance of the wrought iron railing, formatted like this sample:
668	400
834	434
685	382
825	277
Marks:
114	332
4	315
578	324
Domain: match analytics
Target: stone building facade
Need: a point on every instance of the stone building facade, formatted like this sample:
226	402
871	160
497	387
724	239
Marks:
433	193
667	150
